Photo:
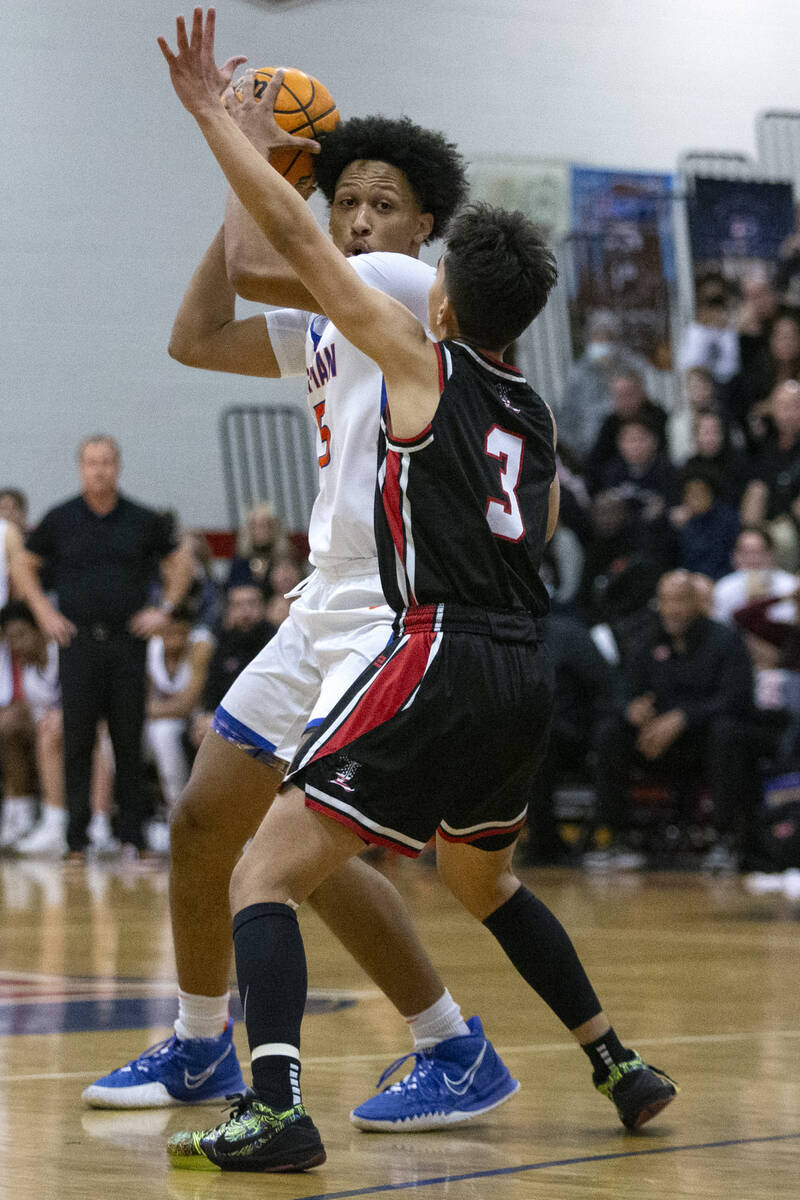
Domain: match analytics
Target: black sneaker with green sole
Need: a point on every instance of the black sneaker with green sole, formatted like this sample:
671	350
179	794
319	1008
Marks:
254	1138
638	1091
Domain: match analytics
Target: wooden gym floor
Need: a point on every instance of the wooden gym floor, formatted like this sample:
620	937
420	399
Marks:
697	974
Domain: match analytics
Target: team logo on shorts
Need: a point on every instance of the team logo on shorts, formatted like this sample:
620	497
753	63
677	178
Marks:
345	775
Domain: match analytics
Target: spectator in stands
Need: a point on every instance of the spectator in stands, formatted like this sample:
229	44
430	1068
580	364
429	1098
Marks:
262	542
41	695
787	276
177	669
245	630
205	594
688	694
754	576
758	307
587	391
628	402
14	507
713	448
707	526
16	751
642	479
772	496
103	552
583	693
710	340
701	395
773	364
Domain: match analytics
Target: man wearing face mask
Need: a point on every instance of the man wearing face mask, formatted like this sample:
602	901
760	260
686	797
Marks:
587	398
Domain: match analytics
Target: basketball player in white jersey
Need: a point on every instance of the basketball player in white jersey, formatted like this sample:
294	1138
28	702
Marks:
18	811
464	680
392	186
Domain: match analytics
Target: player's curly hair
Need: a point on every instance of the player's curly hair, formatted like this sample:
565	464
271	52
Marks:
433	166
498	272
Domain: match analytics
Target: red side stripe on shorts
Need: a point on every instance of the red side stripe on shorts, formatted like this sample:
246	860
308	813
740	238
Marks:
481	833
386	694
366	835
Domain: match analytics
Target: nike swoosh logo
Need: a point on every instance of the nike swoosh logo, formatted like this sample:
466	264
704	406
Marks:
459	1086
196	1081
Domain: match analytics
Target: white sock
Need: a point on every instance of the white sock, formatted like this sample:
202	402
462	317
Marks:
201	1016
442	1020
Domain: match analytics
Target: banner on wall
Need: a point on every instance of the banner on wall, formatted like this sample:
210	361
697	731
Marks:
736	224
621	256
539	188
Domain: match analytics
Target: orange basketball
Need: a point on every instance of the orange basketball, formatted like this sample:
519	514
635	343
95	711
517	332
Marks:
303	107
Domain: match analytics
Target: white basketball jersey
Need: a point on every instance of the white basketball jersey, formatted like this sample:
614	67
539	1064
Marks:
6	677
345	395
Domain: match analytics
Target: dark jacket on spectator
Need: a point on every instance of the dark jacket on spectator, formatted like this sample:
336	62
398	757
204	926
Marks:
713	677
233	651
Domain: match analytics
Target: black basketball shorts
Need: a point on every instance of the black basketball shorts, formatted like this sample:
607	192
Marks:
443	731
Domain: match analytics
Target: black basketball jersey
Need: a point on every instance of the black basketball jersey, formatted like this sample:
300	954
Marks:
461	510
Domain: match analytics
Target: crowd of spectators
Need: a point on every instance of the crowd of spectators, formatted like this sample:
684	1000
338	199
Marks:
673	578
681	568
122	635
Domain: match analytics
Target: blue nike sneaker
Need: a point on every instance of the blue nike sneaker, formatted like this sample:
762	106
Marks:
197	1071
453	1082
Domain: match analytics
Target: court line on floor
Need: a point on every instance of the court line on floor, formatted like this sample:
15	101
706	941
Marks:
339	1060
540	1166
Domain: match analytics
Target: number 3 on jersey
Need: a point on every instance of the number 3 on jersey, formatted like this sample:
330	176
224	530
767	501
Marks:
504	516
324	433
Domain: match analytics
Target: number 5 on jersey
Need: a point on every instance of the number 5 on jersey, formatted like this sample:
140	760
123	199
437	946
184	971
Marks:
324	433
504	516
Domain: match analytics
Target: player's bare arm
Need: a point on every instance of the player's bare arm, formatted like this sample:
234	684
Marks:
206	332
375	323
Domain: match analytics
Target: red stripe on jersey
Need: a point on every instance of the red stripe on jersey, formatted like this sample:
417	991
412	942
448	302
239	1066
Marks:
366	835
440	364
423	433
393	503
385	696
490	831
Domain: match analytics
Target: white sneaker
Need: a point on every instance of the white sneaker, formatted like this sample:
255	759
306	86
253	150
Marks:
791	883
48	837
156	835
16	820
101	838
614	858
760	883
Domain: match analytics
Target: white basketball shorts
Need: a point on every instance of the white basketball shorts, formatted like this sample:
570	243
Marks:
337	624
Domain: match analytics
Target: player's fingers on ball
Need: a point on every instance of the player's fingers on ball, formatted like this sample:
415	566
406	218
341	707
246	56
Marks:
275	85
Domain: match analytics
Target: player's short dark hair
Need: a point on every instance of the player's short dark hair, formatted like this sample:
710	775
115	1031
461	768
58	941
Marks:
16	610
498	273
433	166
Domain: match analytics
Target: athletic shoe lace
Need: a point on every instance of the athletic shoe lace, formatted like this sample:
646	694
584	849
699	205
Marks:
159	1050
420	1074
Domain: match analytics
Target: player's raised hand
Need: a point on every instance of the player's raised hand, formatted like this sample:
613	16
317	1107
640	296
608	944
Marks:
252	107
196	78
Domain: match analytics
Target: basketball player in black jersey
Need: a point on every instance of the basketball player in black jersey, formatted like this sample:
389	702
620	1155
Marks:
455	711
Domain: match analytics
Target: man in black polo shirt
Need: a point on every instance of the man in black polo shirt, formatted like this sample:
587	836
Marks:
688	699
102	553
